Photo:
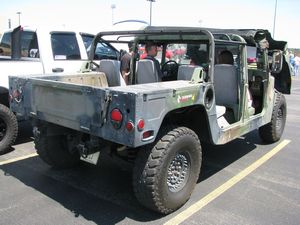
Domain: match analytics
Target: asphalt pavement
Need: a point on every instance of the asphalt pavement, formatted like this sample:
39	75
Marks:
238	184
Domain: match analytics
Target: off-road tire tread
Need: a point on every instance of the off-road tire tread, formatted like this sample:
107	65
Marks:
53	153
147	192
40	143
268	132
12	128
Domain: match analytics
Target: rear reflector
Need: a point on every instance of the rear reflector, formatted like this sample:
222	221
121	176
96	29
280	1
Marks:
147	134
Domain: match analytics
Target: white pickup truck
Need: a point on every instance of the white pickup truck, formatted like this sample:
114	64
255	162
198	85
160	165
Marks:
29	51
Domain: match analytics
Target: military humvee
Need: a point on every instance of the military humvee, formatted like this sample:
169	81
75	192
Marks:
158	122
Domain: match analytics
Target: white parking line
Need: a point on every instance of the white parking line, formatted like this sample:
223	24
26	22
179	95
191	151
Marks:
18	159
224	187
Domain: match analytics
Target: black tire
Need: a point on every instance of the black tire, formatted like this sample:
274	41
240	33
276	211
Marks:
54	150
8	129
155	183
271	132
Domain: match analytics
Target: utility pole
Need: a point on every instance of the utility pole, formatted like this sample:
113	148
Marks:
19	15
200	22
274	23
9	23
151	1
113	6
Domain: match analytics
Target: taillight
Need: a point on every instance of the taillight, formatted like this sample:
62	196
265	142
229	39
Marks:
116	118
141	125
129	126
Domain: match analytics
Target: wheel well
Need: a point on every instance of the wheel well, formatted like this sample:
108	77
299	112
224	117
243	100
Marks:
194	117
4	96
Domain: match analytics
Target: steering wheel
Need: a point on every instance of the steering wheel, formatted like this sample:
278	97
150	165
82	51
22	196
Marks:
169	70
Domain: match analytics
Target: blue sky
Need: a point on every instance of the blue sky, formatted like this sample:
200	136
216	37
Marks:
94	16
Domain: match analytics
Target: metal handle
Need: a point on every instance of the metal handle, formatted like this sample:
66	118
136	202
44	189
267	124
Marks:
57	70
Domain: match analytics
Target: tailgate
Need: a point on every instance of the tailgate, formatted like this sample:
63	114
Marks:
70	105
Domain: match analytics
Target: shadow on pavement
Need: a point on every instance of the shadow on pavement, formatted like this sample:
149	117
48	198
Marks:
104	194
24	133
217	157
101	194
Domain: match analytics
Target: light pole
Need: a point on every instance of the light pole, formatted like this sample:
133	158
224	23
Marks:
113	6
200	22
274	23
151	1
19	15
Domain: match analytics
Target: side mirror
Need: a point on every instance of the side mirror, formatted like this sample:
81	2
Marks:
277	59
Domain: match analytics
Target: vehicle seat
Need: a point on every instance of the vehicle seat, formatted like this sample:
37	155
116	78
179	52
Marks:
185	72
146	72
111	68
226	87
222	122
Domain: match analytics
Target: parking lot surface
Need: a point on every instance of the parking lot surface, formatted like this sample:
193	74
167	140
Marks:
242	182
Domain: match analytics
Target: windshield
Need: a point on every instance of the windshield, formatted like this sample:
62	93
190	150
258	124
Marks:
102	50
87	40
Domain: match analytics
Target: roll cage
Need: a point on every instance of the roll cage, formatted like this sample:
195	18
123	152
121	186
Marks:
168	35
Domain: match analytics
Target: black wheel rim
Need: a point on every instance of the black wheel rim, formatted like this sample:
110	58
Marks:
3	129
178	172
